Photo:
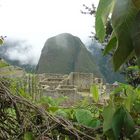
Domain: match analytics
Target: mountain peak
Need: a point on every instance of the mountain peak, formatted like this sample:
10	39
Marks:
66	53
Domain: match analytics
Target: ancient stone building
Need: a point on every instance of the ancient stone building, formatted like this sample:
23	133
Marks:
74	86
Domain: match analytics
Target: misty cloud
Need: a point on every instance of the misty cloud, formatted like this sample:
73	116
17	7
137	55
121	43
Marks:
21	51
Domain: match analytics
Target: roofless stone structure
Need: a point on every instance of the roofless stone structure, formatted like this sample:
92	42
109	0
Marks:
75	86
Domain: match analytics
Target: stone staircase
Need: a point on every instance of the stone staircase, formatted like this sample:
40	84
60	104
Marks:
59	86
66	90
51	81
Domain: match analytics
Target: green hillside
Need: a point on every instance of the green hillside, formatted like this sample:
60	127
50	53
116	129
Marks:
3	64
9	71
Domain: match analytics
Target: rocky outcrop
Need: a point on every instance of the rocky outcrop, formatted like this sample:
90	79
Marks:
66	53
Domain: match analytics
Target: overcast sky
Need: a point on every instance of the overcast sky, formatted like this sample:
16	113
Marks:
37	20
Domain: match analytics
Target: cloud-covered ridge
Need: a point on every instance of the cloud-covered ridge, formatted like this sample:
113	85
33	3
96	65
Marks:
21	51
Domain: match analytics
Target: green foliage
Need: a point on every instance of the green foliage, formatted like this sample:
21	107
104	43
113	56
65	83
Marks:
122	120
117	122
95	93
1	40
136	135
102	14
119	114
85	117
3	64
111	44
129	125
50	102
62	113
28	136
125	22
108	113
118	118
26	86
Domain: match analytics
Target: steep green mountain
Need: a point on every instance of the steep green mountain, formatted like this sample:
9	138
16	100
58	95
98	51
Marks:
66	53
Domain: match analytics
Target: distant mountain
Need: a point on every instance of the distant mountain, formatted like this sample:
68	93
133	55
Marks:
62	54
105	63
66	53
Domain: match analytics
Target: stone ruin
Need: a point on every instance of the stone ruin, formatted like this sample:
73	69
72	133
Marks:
75	85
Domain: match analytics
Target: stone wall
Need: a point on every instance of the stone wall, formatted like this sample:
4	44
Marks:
83	81
74	86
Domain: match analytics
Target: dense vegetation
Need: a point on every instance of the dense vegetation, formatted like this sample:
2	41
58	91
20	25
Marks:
26	113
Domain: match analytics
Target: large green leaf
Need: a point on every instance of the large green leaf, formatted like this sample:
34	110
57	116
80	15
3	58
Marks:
124	50
135	34
123	13
122	121
125	27
137	107
129	126
85	117
108	113
128	103
111	44
103	11
130	97
117	122
122	20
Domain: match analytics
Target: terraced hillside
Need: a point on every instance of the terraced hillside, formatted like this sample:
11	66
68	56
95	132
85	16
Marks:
10	71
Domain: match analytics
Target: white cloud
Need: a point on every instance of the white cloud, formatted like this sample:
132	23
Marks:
37	20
